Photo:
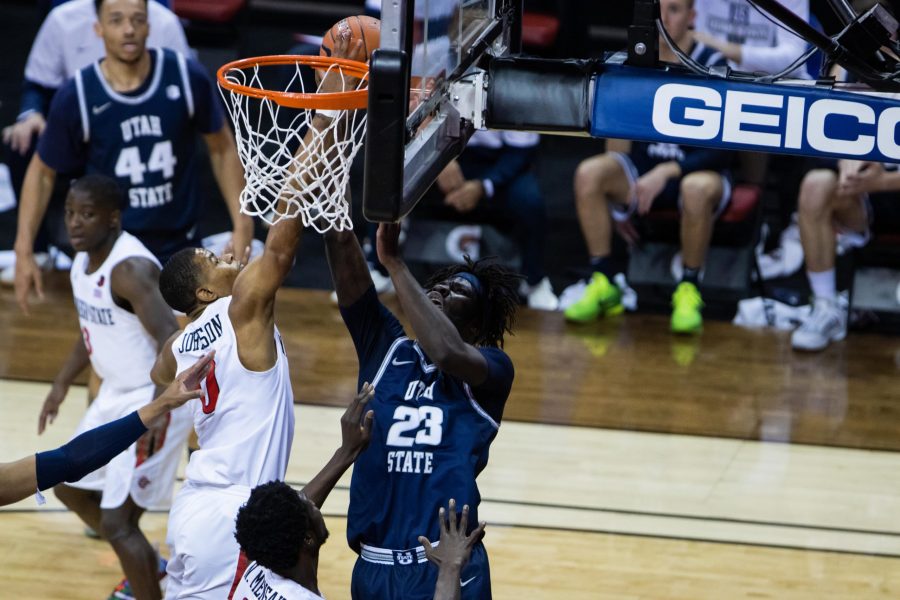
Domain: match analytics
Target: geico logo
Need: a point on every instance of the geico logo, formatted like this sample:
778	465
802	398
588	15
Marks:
727	119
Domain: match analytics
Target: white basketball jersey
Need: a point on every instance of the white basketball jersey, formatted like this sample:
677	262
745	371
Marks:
259	583
245	425
122	352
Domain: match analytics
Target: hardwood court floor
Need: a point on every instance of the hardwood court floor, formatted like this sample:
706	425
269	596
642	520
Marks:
630	464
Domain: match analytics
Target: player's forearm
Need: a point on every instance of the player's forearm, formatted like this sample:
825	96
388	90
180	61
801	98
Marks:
447	586
320	486
347	263
228	172
76	362
435	332
36	190
19	480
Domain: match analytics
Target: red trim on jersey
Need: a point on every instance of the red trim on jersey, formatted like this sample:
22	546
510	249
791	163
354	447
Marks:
242	565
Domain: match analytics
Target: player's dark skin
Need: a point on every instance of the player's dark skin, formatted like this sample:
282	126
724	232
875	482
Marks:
134	282
444	318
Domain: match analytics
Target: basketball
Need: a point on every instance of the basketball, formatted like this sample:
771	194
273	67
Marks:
360	26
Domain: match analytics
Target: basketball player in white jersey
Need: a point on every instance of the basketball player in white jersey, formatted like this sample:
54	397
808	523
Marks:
124	321
245	426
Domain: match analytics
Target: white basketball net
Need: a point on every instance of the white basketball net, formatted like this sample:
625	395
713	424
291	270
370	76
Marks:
286	175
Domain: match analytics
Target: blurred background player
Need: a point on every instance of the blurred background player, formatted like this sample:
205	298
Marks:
124	322
281	531
632	177
438	404
843	200
65	43
748	37
96	447
134	116
246	426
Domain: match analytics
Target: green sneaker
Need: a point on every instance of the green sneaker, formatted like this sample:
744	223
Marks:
686	305
600	298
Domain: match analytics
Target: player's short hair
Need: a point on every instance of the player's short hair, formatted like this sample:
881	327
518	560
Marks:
103	190
99	3
499	297
179	280
271	526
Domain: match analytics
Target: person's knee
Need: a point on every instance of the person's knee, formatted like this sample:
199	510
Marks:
593	174
700	193
817	191
117	523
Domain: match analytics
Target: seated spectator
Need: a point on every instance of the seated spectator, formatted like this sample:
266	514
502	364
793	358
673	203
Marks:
748	38
645	175
493	181
843	198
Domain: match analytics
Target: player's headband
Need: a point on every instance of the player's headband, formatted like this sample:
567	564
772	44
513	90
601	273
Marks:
473	279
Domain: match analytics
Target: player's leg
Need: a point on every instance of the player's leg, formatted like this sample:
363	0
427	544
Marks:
119	526
819	209
84	503
701	196
599	182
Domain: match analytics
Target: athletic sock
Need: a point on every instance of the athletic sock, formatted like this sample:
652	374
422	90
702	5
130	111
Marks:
823	284
603	264
691	275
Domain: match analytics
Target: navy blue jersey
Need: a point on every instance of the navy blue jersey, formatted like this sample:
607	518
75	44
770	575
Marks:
146	139
431	433
646	155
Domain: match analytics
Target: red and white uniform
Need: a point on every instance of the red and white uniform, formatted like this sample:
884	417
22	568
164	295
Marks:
122	353
245	428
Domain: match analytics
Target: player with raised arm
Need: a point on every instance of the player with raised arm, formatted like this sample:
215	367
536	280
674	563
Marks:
438	404
96	447
124	322
246	424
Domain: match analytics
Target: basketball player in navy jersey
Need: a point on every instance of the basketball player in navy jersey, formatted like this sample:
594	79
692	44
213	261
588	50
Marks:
124	322
438	404
134	116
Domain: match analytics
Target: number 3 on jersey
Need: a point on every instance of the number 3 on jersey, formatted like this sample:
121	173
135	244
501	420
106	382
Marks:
162	160
425	421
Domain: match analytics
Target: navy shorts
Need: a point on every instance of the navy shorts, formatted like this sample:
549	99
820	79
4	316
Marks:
391	579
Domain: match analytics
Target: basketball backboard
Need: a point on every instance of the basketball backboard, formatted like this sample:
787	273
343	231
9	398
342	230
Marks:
414	124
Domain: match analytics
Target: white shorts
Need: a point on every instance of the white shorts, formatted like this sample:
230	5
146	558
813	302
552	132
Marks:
204	553
149	481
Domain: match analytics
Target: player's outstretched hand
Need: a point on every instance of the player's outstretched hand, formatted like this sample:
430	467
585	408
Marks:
28	275
455	547
387	243
20	135
334	81
51	406
356	422
186	386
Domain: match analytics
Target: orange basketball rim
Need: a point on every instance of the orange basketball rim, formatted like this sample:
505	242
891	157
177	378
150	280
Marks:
347	100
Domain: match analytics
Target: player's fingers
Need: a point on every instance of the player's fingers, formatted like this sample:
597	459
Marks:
477	534
451	514
367	422
442	517
464	519
426	544
39	284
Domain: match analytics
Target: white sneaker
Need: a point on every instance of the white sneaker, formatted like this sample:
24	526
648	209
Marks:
541	296
825	323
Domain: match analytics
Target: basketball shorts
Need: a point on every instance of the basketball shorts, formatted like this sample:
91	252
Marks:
204	554
669	197
381	574
149	480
